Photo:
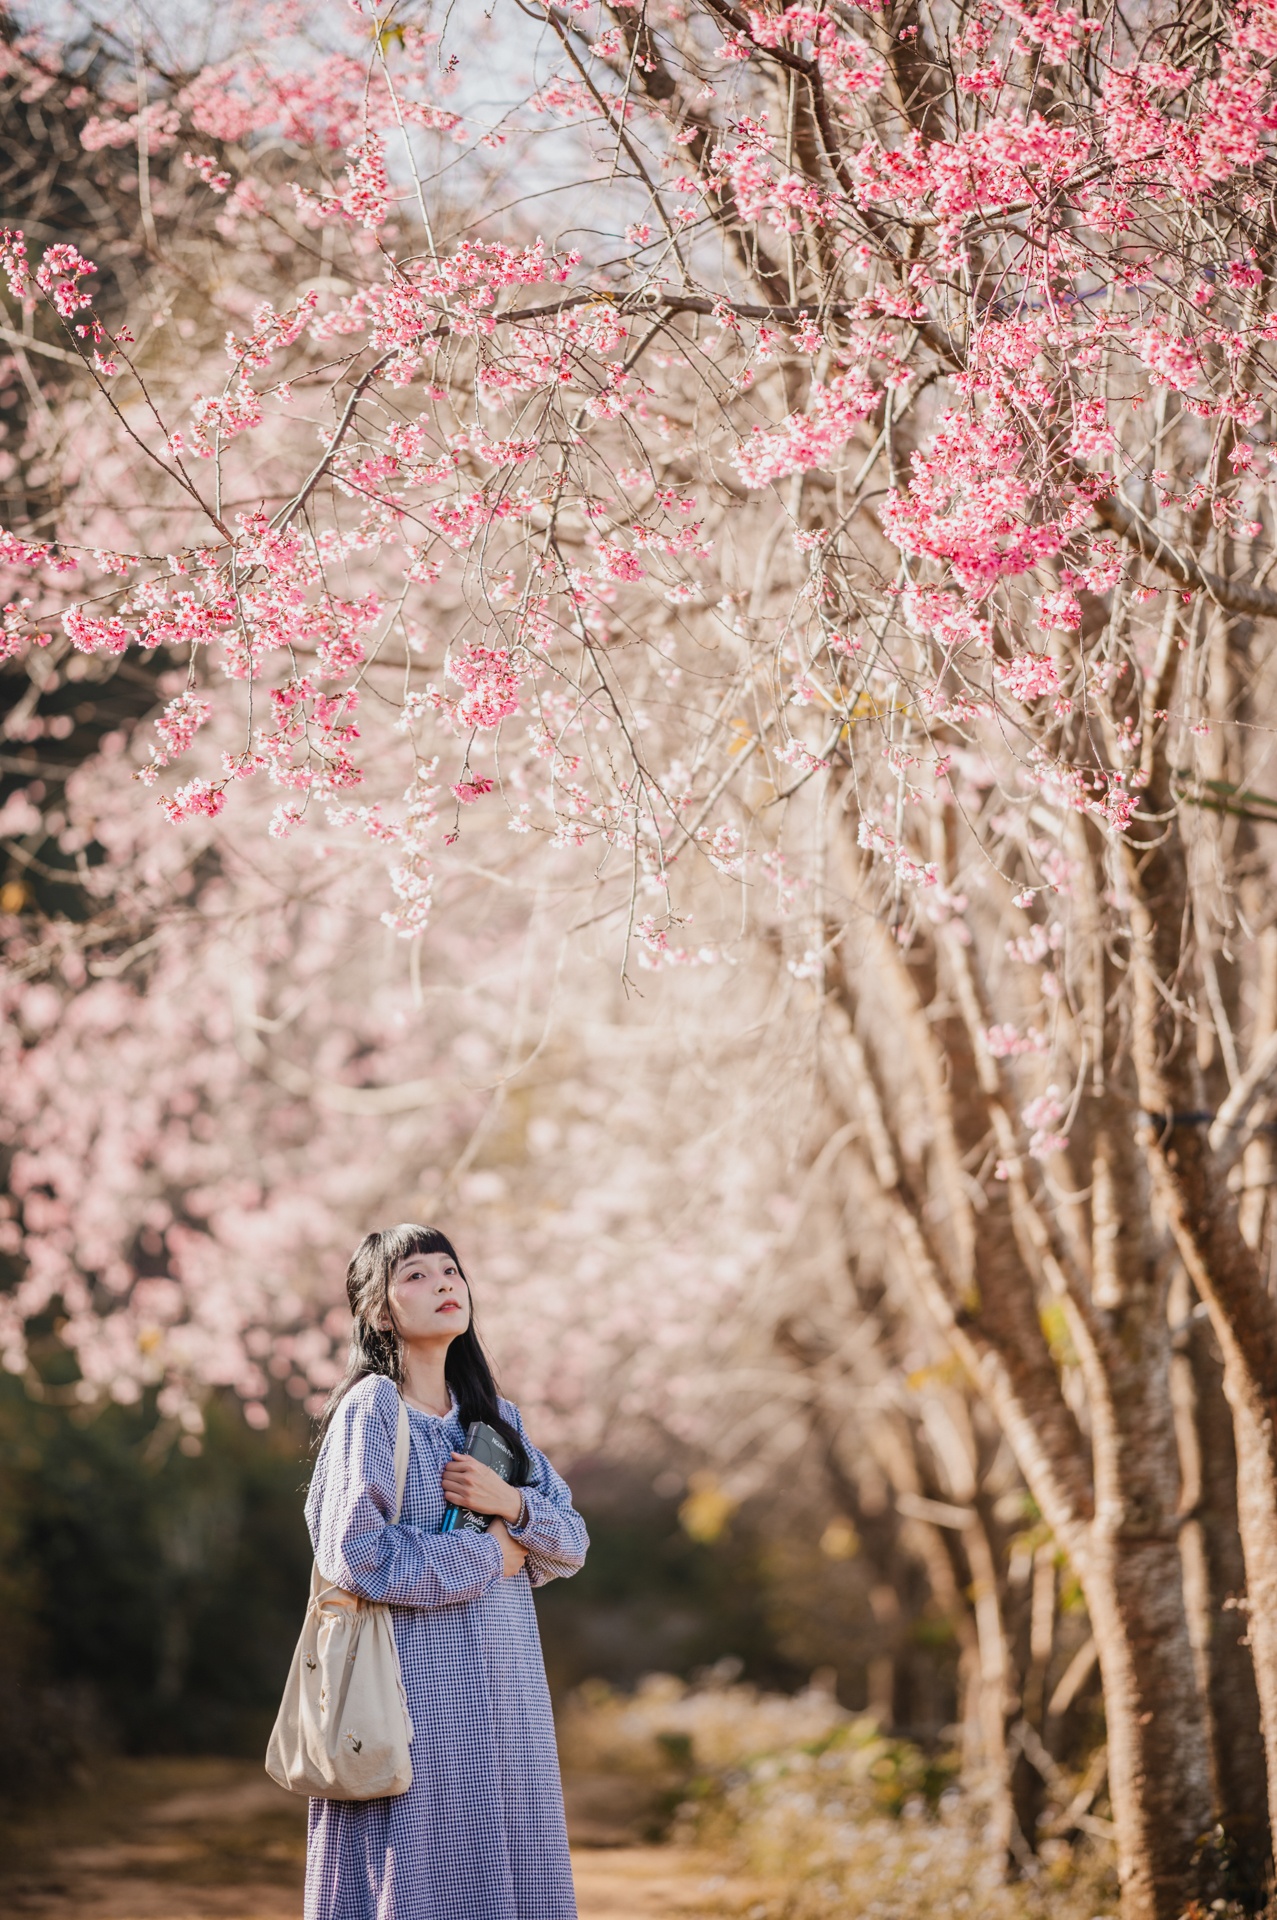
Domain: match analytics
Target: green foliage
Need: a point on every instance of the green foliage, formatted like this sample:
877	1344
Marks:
903	1774
676	1747
151	1597
652	1597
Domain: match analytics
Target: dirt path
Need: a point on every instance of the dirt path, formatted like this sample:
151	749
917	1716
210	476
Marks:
633	1883
215	1840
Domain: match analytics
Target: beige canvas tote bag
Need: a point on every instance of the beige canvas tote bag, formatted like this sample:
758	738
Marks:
343	1729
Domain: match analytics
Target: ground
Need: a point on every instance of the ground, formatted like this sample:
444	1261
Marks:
200	1839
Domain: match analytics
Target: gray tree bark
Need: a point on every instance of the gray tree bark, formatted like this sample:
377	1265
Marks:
1112	1506
1215	1587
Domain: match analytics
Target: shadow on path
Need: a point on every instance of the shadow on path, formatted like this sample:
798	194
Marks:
200	1839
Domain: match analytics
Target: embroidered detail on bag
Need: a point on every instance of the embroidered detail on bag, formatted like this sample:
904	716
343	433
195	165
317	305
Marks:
357	1745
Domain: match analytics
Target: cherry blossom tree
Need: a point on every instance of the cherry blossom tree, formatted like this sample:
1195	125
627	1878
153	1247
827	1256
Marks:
501	1079
808	469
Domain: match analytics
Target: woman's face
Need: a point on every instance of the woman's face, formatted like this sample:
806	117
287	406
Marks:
429	1298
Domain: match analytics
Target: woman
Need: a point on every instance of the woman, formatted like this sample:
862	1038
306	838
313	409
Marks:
480	1833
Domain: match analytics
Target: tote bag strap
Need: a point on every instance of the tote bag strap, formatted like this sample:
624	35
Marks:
319	1587
403	1447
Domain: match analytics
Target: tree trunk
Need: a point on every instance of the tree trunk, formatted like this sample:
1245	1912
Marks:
1202	1217
1128	1557
983	1282
1128	1561
1132	1576
1158	1772
1236	1738
1005	1839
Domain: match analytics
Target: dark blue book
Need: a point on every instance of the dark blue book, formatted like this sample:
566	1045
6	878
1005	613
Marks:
486	1444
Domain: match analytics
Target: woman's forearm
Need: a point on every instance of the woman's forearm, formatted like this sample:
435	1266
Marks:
407	1567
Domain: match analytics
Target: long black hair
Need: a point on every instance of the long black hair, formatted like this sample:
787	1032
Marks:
376	1349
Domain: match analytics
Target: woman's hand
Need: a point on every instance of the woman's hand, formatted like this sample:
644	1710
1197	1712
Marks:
468	1483
512	1554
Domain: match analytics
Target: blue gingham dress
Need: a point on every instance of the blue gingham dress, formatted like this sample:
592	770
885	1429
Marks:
480	1833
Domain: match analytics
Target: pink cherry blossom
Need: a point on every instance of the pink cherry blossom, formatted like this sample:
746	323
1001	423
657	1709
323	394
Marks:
809	439
1031	676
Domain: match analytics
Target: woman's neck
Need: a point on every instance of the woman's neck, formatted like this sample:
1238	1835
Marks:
425	1384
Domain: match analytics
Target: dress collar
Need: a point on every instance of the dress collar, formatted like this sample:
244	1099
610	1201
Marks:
442	1418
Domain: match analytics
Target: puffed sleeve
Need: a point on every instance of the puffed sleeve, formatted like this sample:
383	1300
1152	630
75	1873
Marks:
349	1512
552	1530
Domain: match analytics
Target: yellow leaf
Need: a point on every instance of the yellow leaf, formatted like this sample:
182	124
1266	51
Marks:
708	1508
840	1541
